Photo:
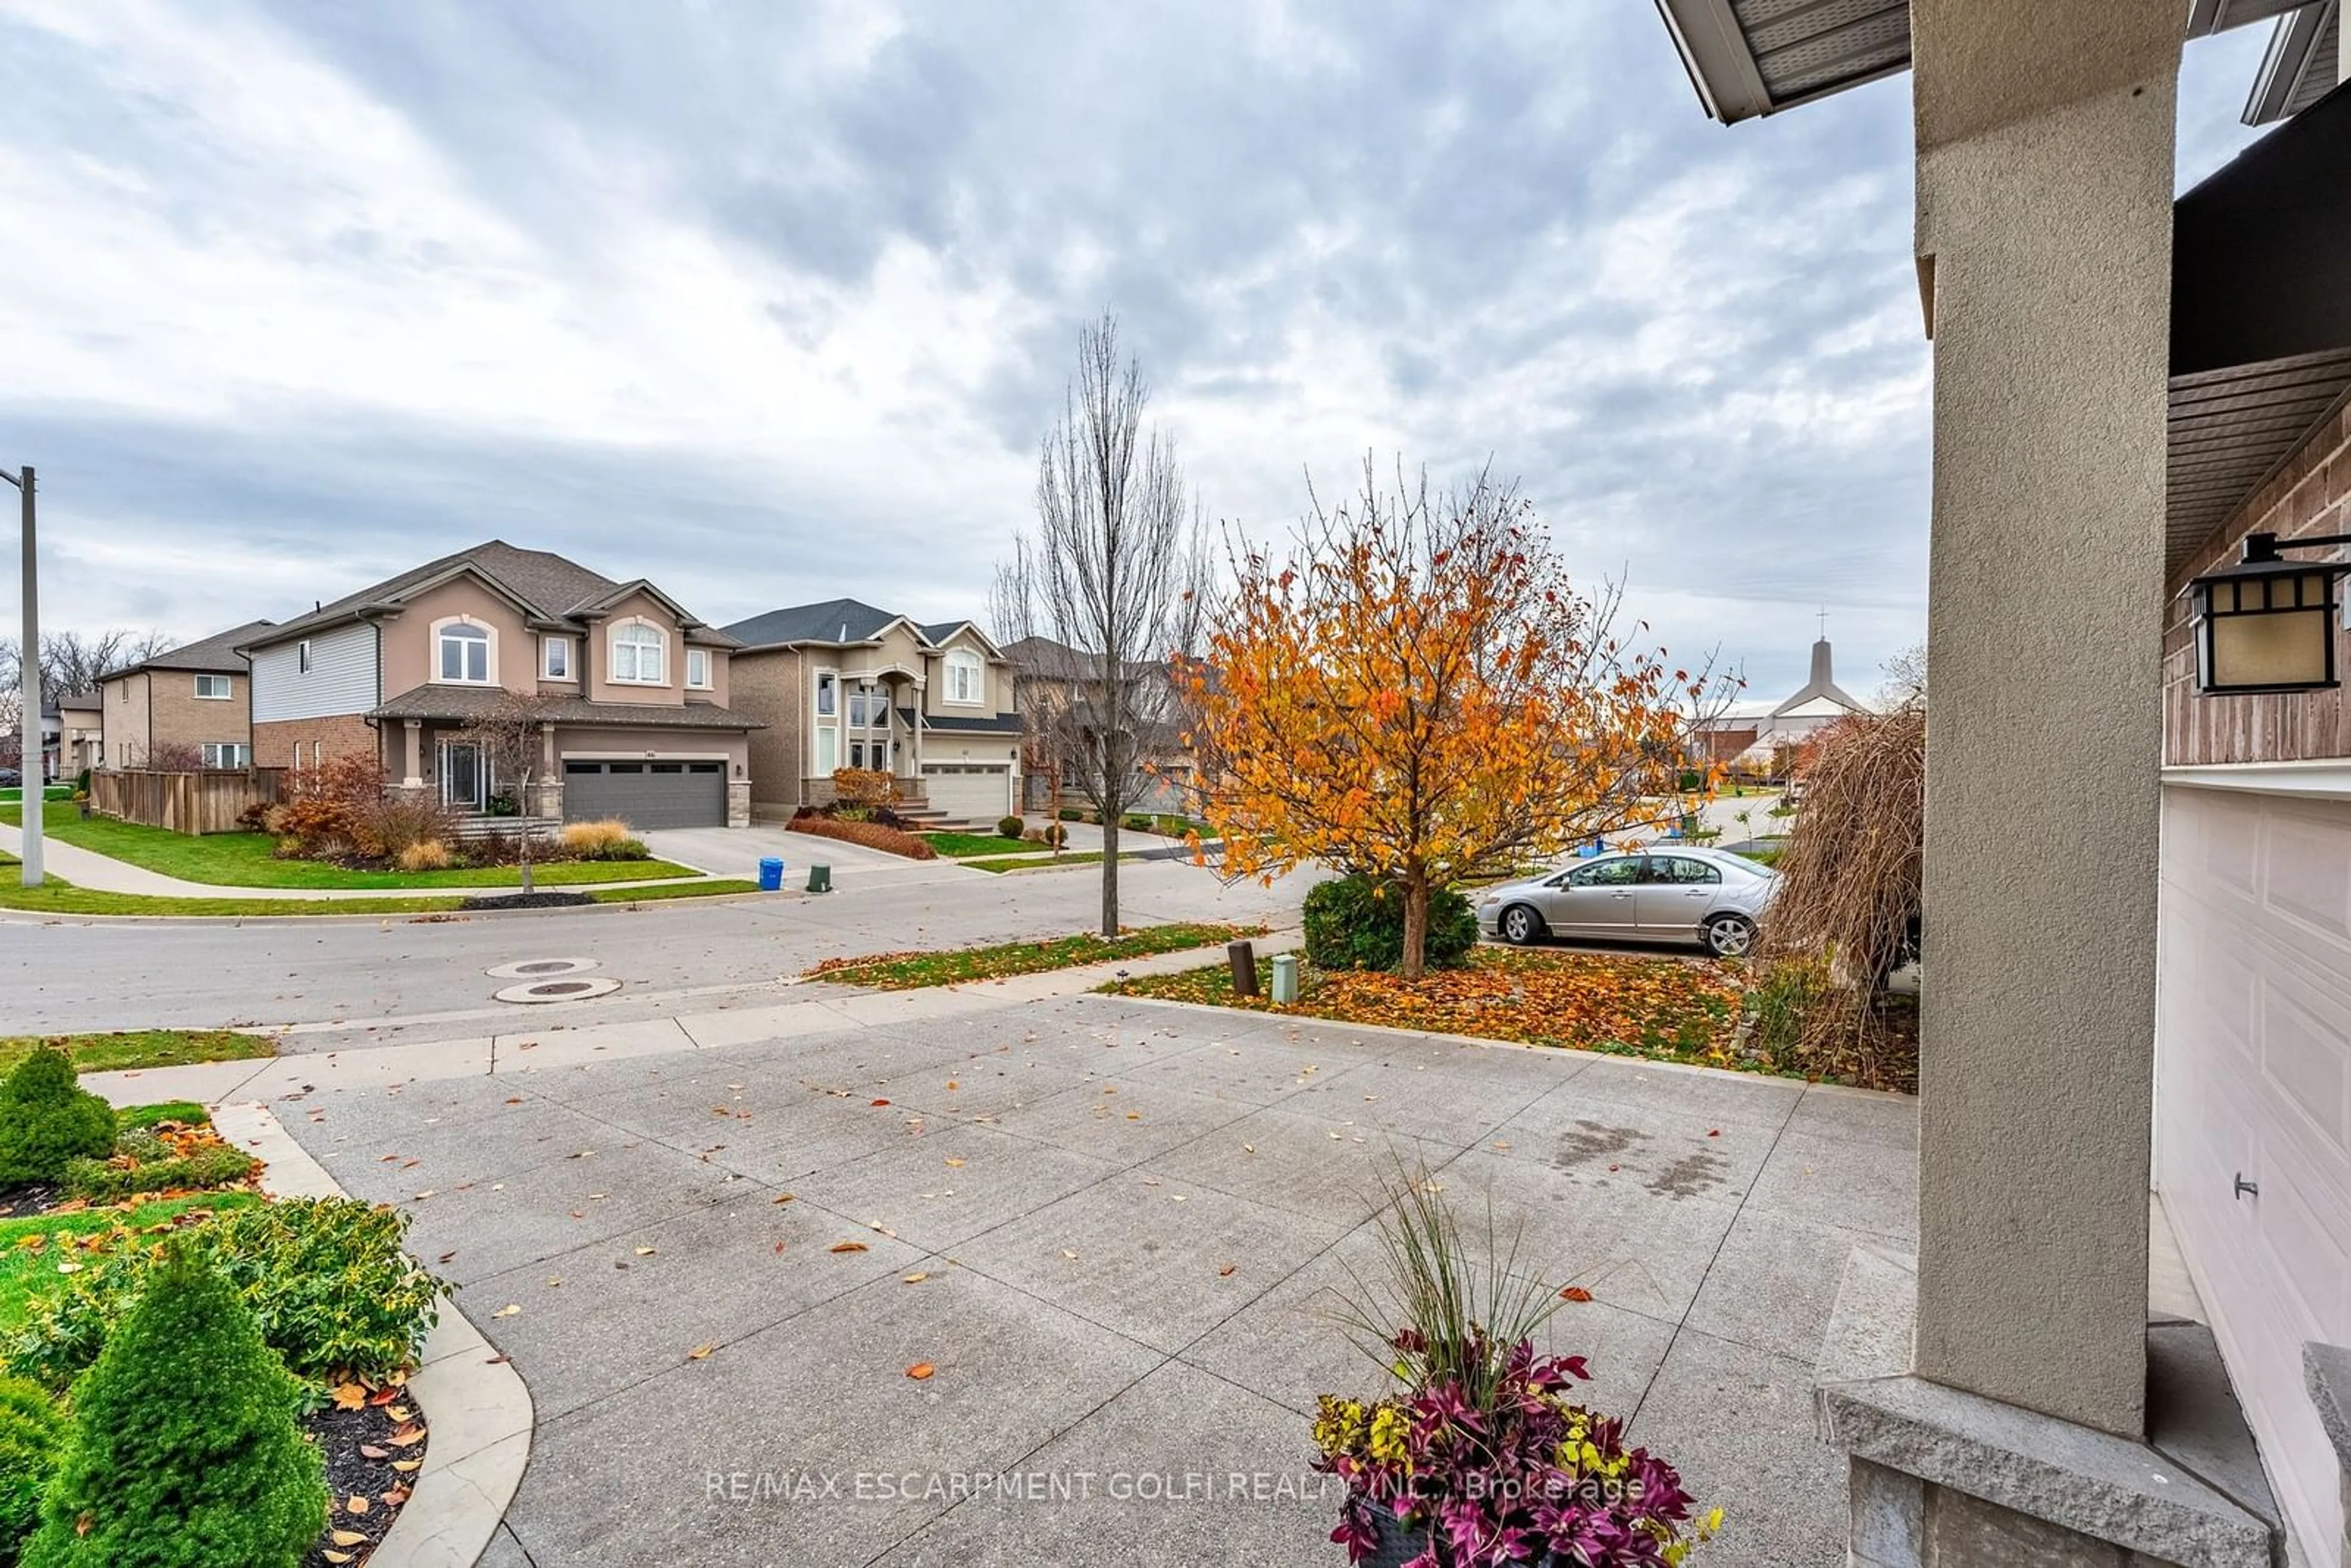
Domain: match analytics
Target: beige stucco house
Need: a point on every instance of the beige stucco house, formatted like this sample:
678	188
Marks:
191	706
843	684
82	733
633	689
2138	895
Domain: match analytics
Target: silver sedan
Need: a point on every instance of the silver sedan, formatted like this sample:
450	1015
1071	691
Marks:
1711	898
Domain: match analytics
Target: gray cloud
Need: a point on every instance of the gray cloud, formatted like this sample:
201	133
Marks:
1498	233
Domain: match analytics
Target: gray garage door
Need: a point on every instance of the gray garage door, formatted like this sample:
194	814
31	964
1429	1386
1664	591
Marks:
646	794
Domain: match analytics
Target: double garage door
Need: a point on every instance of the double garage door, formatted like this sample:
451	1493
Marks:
2253	1080
968	791
646	794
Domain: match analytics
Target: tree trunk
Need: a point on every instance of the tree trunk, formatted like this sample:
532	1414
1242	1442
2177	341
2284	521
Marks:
1415	926
1110	873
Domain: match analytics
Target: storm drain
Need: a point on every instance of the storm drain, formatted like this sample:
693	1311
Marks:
540	969
558	990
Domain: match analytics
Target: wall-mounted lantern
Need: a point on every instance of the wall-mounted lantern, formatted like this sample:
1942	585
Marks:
2267	624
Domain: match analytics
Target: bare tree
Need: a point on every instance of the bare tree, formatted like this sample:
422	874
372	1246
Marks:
1114	576
72	662
510	733
1906	679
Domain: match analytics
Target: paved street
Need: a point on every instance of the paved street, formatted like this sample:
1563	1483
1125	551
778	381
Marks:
62	974
1126	1220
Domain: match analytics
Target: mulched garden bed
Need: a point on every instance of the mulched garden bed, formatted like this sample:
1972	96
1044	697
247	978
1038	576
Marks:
373	1455
530	901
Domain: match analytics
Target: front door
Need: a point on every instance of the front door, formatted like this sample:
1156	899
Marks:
1594	899
465	782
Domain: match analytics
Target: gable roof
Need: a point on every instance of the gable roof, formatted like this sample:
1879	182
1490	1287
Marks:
1821	689
838	622
214	655
552	590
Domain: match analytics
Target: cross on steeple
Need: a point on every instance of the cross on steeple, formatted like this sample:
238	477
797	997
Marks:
1824	621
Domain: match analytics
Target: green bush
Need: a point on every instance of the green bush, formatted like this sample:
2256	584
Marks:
1691	780
32	1436
158	1170
1355	922
1138	824
1009	828
47	1119
1069	813
325	1278
185	1451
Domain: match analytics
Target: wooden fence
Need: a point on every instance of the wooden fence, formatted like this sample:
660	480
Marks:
209	802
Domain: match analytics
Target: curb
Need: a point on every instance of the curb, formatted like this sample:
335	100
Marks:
478	1410
12	916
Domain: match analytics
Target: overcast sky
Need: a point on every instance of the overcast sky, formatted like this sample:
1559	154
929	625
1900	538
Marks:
771	301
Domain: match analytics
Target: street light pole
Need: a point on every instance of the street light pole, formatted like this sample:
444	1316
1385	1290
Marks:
32	789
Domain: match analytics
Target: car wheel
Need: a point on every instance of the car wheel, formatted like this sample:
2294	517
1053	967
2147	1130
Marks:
1520	926
1729	935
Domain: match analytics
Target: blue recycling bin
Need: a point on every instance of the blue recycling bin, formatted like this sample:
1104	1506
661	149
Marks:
771	875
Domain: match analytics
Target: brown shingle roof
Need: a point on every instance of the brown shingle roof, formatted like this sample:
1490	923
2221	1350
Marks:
213	656
459	703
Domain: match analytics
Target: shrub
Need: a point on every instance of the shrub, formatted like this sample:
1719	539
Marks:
1355	922
1691	780
255	818
1069	813
872	835
393	824
425	854
185	1451
156	1166
1009	828
603	841
1138	824
1056	835
48	1120
325	1278
855	787
32	1436
327	810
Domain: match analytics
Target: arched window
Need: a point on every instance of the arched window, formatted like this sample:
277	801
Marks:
637	654
965	672
463	654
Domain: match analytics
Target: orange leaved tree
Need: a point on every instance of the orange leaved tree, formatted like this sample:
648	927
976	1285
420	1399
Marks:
1416	692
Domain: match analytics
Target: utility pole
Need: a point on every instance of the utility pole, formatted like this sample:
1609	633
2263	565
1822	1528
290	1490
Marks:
32	792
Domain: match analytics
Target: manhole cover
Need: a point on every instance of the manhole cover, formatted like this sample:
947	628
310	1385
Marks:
558	990
535	969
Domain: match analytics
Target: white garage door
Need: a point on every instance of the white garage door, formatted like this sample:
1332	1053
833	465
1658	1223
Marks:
968	791
2253	1077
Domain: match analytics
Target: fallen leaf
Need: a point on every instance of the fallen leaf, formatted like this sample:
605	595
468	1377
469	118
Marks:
1575	1293
700	1353
353	1503
1714	1132
644	1251
846	1247
916	1278
953	1084
335	1557
346	1538
511	1309
920	1371
1067	1253
406	1467
370	1450
880	1102
349	1396
1226	1271
953	1160
781	1198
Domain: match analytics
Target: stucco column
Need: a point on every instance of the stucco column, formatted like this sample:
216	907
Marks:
412	753
2044	226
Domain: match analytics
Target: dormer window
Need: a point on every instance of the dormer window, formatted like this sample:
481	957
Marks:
965	673
464	654
638	655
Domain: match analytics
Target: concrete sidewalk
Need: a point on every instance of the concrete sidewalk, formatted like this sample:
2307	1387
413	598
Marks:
560	1040
95	873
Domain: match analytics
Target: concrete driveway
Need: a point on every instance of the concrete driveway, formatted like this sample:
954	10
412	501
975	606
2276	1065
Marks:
736	851
1112	1228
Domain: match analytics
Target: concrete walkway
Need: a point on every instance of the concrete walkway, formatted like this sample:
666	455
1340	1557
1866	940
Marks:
103	874
1114	1229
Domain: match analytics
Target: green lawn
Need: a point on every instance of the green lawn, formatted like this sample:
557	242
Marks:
248	860
48	792
1028	863
705	888
957	845
906	971
24	1263
142	1047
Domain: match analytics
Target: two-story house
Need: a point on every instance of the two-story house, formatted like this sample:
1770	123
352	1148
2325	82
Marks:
188	708
843	684
1062	693
631	690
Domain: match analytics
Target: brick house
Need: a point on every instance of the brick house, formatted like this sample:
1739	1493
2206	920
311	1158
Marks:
192	705
631	689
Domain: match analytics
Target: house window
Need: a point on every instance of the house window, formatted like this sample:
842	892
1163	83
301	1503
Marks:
302	656
465	655
227	754
857	754
827	694
964	677
637	651
213	688
827	754
555	658
697	668
858	706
